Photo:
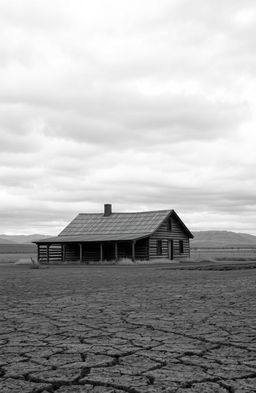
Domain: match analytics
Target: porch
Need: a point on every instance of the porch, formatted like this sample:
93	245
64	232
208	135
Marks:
89	252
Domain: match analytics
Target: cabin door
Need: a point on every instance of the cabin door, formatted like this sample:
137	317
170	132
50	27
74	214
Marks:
170	249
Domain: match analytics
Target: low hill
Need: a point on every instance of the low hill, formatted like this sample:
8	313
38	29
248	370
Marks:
201	239
222	239
6	239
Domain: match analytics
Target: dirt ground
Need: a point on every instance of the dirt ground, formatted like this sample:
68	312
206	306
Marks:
127	329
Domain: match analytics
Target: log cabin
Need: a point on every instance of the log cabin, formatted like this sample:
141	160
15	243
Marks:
108	236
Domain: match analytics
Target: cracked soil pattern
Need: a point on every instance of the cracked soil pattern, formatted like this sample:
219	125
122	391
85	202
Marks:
127	329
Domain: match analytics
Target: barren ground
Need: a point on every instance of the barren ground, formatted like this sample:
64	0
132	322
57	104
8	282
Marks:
127	329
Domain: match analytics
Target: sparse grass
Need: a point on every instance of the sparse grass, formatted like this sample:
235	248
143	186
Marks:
222	266
199	260
204	258
224	254
15	257
155	261
34	266
125	261
129	262
231	258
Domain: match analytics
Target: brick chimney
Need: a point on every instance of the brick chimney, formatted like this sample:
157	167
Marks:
107	209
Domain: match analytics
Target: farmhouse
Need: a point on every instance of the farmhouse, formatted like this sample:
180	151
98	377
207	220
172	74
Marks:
97	237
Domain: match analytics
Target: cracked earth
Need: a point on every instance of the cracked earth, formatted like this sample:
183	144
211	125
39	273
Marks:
127	329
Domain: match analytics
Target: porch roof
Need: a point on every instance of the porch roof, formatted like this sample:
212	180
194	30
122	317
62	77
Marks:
94	238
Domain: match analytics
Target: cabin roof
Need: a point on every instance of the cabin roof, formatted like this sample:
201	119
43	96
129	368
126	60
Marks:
116	223
116	226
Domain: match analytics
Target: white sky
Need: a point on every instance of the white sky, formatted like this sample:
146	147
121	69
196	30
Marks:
143	104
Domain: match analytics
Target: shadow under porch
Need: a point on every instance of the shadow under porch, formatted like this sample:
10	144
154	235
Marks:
89	252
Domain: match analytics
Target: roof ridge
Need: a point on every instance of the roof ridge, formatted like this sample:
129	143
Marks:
137	212
104	233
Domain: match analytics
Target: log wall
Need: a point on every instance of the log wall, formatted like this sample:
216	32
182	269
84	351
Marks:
176	234
55	253
141	249
145	249
72	252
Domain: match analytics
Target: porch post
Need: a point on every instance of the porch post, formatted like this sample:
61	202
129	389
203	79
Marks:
116	251
63	252
47	253
38	253
101	252
80	252
133	250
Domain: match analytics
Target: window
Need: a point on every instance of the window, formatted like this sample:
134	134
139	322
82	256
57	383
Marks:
170	224
181	247
159	247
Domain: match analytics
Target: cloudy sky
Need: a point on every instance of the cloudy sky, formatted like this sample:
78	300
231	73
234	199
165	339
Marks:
143	104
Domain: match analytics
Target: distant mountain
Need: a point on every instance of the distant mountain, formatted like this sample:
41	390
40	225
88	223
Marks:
6	239
201	239
222	239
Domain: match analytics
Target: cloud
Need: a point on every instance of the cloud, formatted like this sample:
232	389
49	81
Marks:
133	119
144	104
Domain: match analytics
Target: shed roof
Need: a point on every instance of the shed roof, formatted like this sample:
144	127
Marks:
94	238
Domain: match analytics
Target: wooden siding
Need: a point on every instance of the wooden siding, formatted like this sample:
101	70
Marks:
55	253
176	234
72	252
141	249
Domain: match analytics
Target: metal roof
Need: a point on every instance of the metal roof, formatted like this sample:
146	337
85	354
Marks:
117	226
89	223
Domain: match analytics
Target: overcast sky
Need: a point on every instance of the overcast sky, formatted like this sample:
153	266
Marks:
144	104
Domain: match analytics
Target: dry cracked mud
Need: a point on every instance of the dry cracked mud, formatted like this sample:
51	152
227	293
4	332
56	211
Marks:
127	329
